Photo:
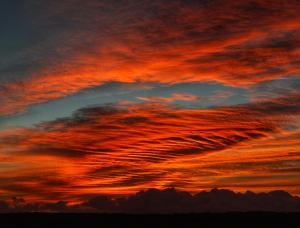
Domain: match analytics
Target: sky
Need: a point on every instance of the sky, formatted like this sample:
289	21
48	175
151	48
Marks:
114	97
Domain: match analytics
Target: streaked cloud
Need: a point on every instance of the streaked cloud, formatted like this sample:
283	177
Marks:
237	43
122	149
109	97
172	98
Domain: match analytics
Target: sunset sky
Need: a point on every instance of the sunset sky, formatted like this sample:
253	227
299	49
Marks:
113	97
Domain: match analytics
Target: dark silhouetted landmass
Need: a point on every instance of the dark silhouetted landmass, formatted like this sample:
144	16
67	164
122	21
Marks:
169	201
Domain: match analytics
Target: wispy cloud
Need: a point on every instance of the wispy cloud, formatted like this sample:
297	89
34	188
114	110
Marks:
172	98
126	148
237	43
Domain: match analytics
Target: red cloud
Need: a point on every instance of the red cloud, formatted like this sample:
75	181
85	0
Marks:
124	149
234	42
172	98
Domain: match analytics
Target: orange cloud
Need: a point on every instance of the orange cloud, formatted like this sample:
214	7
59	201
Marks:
234	42
172	98
119	150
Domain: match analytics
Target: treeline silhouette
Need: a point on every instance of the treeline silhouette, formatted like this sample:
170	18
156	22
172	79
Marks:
169	201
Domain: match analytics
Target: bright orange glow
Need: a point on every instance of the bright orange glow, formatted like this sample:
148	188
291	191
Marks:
119	150
102	97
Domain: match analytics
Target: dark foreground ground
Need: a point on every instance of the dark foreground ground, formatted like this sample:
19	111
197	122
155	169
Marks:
177	220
